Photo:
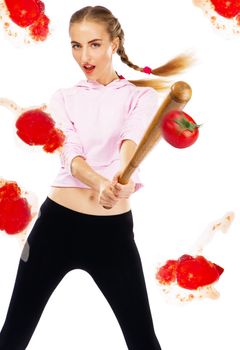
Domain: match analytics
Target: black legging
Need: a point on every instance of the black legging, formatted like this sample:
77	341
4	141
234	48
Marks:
63	239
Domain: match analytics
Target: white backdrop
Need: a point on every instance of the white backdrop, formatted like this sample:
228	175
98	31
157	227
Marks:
184	190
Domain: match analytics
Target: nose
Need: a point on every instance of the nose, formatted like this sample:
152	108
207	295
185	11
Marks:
85	56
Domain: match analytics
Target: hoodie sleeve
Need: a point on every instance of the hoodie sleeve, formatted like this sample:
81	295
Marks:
72	146
140	116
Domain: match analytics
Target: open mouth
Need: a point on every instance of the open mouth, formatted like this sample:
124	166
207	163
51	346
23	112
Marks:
88	68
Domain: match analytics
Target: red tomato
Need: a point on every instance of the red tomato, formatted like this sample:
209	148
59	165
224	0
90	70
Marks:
179	129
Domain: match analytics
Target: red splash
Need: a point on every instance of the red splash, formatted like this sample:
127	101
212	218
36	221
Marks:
227	8
36	127
167	273
15	212
39	29
27	13
189	272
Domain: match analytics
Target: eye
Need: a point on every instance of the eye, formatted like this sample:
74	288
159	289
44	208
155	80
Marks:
75	46
97	45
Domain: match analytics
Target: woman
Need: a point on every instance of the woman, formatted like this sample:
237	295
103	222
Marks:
103	119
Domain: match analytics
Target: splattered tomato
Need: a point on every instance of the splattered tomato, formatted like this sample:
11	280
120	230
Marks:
227	8
23	12
29	13
179	129
189	272
15	212
36	127
193	273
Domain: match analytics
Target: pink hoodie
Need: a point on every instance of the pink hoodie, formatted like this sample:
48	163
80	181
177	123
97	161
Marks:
95	119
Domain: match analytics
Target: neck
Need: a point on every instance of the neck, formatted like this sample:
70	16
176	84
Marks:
107	81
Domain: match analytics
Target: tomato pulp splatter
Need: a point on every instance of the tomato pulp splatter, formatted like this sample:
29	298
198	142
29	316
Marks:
189	272
36	127
227	8
168	272
39	29
15	212
29	13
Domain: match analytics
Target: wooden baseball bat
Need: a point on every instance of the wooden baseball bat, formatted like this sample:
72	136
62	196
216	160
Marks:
180	93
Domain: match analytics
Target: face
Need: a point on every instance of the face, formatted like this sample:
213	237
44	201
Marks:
91	45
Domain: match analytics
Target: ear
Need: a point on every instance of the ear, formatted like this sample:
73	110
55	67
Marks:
115	44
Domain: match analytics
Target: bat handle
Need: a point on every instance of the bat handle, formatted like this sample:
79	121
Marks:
107	207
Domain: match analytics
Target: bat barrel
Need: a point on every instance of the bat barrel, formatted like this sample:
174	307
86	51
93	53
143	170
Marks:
181	92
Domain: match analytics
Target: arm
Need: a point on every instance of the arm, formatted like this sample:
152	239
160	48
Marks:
72	154
127	150
83	172
140	115
107	195
142	110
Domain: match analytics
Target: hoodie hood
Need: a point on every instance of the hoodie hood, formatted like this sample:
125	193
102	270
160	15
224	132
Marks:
93	84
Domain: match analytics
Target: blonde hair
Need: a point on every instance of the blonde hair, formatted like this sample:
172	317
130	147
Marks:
101	14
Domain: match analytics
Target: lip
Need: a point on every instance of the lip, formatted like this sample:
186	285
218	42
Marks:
87	71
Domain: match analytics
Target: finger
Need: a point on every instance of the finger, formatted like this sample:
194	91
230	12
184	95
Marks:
109	197
115	177
118	186
105	202
114	181
116	191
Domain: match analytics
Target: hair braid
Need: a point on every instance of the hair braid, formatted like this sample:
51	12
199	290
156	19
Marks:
124	58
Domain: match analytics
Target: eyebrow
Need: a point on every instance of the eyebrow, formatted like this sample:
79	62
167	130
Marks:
76	42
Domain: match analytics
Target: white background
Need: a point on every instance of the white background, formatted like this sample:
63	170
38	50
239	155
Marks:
184	190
